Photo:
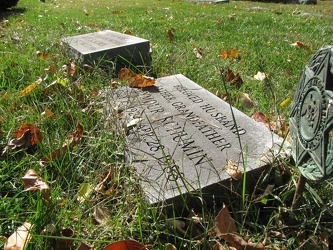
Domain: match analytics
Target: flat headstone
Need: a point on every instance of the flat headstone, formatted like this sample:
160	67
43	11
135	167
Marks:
183	135
108	45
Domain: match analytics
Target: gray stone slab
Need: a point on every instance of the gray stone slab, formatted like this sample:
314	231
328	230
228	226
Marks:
185	137
109	45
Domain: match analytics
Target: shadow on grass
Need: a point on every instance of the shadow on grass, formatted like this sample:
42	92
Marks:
11	12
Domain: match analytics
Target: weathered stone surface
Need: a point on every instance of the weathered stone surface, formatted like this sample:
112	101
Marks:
109	45
186	136
311	118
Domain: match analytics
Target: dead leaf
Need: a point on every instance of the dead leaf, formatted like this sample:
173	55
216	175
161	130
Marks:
260	76
142	81
177	225
133	123
65	242
232	170
229	77
32	181
51	69
85	246
219	246
20	238
4	96
100	214
128	32
35	134
279	126
71	67
197	53
224	54
246	100
42	55
48	113
169	246
102	186
277	234
88	68
324	240
74	139
126	245
116	12
23	142
170	34
83	192
231	54
224	223
135	80
298	44
259	117
238	242
30	88
125	74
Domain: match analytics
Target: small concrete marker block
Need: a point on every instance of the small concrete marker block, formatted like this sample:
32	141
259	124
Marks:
109	45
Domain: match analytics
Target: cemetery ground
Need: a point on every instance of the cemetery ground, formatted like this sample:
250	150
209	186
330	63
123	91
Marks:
86	192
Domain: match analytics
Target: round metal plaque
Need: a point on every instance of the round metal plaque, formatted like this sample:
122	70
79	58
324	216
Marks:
311	118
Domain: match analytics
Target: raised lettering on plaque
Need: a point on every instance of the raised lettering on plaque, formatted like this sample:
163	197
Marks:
185	137
312	117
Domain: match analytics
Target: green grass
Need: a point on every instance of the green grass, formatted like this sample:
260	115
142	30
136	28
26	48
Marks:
263	38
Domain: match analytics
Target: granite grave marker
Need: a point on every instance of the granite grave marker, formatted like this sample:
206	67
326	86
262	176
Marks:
185	137
108	45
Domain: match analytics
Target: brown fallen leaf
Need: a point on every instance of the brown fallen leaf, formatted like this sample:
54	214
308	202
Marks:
20	238
238	242
102	187
224	54
126	245
71	67
259	117
85	246
100	215
65	242
135	80
298	44
48	113
125	74
75	138
32	181
197	53
324	240
42	55
224	223
128	32
170	34
232	170
35	134
246	100
229	77
26	139
141	81
231	54
23	142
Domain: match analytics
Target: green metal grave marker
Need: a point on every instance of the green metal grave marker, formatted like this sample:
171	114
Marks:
311	119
